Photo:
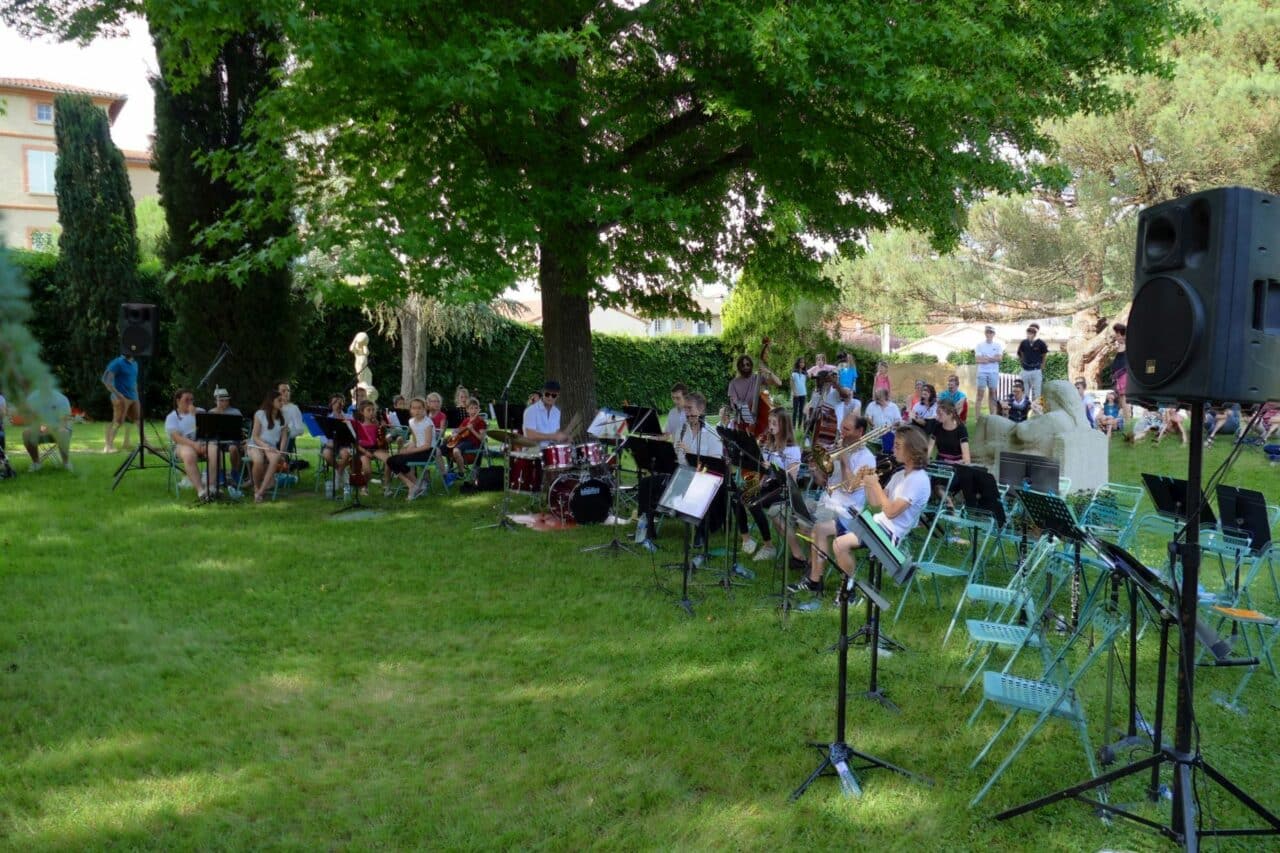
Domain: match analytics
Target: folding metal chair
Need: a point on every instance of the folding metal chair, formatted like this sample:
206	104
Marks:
1053	695
1268	631
955	548
1111	512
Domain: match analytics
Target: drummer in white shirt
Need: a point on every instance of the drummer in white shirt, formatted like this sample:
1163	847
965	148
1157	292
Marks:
180	426
542	419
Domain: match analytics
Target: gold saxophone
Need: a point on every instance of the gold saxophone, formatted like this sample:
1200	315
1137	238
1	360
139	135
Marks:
825	459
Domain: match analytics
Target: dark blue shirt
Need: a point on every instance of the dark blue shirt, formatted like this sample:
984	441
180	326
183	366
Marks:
124	376
1031	354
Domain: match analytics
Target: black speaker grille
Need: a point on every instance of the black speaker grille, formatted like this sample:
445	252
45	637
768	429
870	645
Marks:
136	339
1165	327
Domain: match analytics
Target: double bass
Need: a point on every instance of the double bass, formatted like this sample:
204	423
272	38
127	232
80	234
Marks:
763	405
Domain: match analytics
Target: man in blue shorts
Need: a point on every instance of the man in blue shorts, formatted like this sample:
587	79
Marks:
121	381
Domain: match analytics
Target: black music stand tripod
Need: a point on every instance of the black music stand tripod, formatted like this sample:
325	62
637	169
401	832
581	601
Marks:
837	755
678	502
614	546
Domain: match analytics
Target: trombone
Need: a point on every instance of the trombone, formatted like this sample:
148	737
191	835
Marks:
825	459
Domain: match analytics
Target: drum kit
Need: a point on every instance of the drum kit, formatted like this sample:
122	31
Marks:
575	482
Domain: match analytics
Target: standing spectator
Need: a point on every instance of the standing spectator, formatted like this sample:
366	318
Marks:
1031	355
882	411
1120	367
955	397
48	418
121	380
820	366
848	374
1019	404
799	390
988	355
882	379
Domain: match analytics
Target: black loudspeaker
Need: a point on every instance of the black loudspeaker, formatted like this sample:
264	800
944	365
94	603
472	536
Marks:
1205	321
139	325
490	479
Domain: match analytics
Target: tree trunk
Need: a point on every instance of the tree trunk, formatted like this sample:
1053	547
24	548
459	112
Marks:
1090	355
409	350
566	323
1085	326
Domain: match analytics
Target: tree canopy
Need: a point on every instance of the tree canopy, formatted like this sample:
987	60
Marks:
623	152
1069	249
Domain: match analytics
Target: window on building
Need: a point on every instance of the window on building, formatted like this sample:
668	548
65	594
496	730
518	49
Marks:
677	325
701	328
44	113
40	168
42	241
659	326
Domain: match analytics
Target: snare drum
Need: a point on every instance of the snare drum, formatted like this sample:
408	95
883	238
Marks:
584	500
557	457
589	455
525	473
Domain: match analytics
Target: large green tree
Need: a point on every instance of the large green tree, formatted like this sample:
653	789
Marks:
251	311
1068	250
98	248
623	152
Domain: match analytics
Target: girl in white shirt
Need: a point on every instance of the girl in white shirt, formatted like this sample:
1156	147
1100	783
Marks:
267	444
422	440
901	503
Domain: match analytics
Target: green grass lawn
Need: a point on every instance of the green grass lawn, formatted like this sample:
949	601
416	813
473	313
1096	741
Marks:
241	676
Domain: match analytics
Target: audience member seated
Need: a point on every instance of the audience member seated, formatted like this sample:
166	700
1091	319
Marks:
1111	420
471	434
956	397
180	426
1223	419
949	437
267	444
1017	405
48	420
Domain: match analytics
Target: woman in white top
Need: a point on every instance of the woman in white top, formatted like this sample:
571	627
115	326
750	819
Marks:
422	441
799	390
180	425
267	444
900	503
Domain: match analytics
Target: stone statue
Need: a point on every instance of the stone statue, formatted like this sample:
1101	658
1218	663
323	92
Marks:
364	375
1062	433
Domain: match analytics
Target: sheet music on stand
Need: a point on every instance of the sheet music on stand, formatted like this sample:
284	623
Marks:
1051	513
689	494
882	547
642	419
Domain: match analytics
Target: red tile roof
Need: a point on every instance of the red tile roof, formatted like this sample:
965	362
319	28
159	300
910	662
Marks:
32	84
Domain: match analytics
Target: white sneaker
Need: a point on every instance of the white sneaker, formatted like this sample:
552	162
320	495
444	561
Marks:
328	489
184	483
768	552
66	466
748	545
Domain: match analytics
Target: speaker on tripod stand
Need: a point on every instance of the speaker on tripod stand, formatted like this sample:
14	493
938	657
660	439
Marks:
139	327
1204	325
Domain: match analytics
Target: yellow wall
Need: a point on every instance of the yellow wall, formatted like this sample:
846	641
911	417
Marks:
20	210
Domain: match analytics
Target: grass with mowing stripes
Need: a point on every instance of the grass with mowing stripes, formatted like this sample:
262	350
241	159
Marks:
249	676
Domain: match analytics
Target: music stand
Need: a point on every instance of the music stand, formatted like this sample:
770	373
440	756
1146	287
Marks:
654	454
338	431
1026	470
742	450
223	430
642	419
1169	495
688	496
453	417
981	492
1245	511
837	754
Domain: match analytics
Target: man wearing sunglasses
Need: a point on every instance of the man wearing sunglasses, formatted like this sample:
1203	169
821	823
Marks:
542	419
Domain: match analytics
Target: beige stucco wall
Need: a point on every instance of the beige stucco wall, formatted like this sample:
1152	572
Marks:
21	211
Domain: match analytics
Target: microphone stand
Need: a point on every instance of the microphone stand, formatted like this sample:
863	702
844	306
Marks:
223	352
506	389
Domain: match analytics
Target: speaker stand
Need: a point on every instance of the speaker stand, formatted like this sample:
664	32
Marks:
137	457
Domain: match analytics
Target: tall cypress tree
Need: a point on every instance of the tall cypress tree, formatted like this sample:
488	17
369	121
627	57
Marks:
256	317
98	249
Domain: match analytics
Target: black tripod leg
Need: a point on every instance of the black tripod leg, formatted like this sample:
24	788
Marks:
880	762
1075	790
821	769
1247	801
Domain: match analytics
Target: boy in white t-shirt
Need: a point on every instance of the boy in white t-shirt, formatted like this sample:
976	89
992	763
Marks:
988	354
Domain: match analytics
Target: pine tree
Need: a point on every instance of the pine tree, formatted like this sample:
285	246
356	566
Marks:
98	260
254	316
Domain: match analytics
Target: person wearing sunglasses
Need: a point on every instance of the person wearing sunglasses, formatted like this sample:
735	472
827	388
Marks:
542	419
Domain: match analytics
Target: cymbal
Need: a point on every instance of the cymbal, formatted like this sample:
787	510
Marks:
503	435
